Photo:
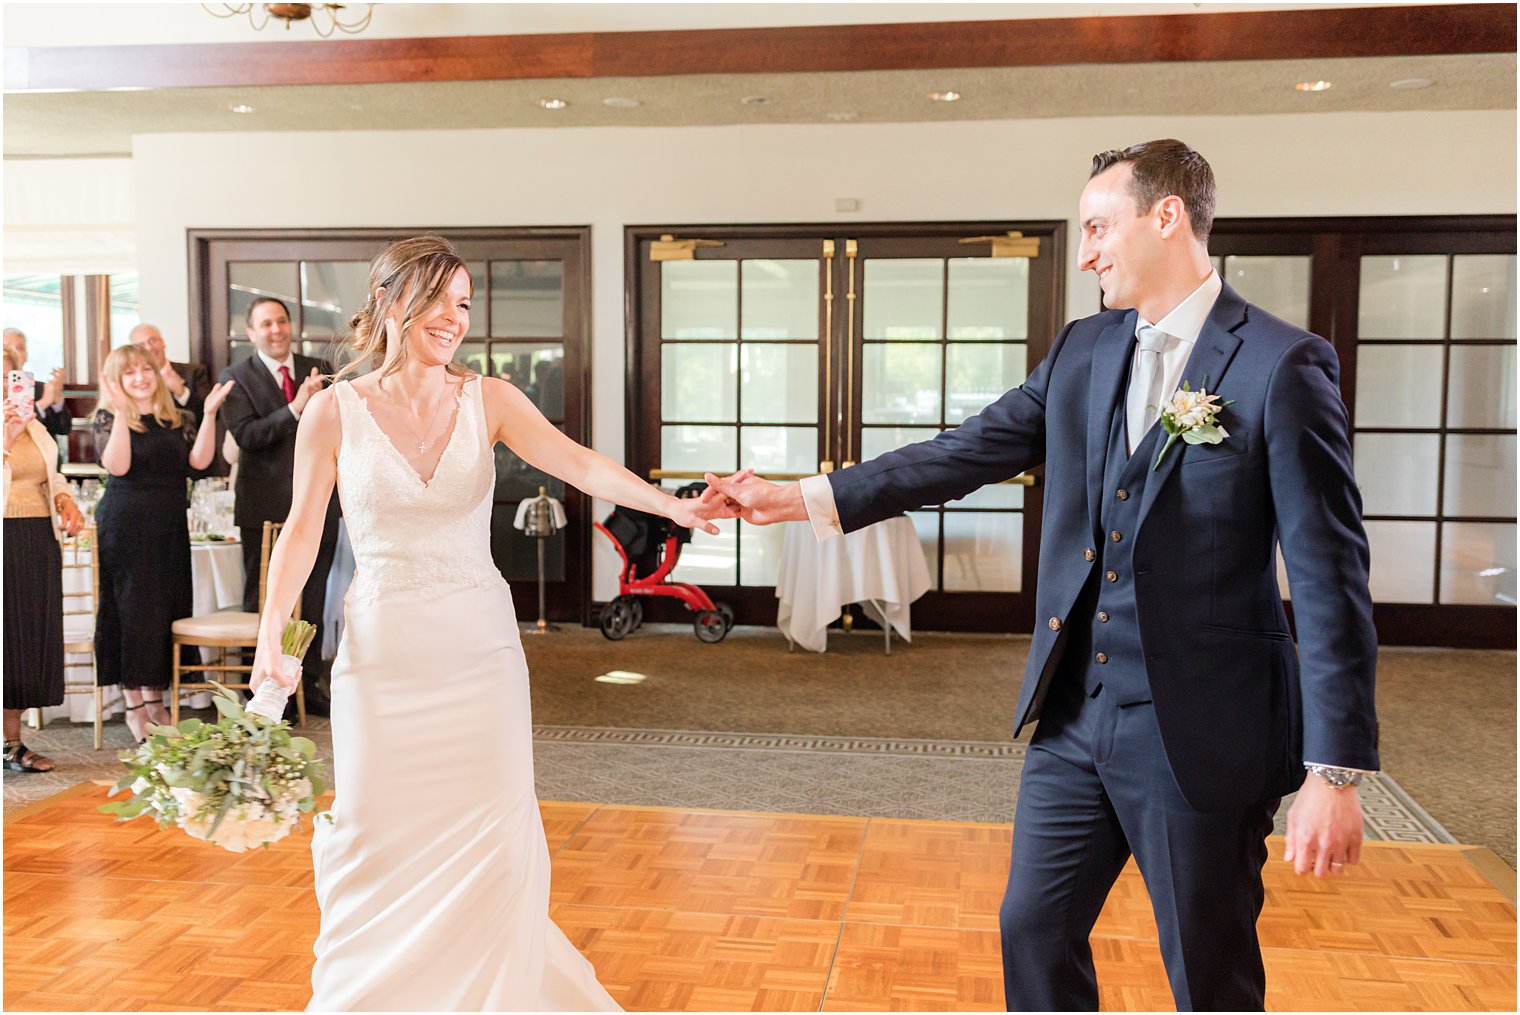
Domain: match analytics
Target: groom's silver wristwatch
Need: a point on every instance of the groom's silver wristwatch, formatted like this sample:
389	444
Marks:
1338	778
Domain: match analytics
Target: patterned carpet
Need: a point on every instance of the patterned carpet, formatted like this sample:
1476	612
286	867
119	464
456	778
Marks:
945	780
923	733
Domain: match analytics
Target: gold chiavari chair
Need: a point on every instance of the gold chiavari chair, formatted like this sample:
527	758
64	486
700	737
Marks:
227	632
81	603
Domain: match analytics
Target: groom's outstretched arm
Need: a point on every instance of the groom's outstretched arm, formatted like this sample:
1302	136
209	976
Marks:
1003	440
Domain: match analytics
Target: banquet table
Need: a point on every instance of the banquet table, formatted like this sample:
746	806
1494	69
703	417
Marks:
881	566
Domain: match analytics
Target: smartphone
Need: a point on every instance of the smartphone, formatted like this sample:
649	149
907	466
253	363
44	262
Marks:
21	391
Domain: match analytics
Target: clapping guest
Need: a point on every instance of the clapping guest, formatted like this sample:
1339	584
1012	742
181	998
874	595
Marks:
188	383
51	411
274	387
150	447
38	506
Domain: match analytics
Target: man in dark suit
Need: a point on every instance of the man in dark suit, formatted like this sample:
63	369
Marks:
273	387
1173	710
47	398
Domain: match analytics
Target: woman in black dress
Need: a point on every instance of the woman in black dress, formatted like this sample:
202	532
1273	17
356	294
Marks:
38	508
150	449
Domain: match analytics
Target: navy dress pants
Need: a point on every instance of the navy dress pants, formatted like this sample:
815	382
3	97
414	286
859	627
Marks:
1097	788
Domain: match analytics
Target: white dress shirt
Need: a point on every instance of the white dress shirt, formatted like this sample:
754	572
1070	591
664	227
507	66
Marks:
273	366
1183	323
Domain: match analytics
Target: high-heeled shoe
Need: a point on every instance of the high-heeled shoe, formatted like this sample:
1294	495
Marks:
139	733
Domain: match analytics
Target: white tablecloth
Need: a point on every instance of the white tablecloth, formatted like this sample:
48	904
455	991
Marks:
881	567
216	576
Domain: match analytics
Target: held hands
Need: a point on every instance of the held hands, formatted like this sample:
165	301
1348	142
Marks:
757	501
217	396
1324	828
693	513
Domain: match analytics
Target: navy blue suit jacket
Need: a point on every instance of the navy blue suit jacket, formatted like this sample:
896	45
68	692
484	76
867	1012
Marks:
1239	710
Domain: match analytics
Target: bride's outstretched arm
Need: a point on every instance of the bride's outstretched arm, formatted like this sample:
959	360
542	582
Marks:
316	472
518	424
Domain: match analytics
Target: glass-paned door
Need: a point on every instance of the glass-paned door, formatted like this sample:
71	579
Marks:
528	325
1434	426
798	354
1421	312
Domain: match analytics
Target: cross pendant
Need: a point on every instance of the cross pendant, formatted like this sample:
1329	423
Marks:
421	447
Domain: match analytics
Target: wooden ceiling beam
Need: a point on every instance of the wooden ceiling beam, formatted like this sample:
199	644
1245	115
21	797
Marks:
1168	38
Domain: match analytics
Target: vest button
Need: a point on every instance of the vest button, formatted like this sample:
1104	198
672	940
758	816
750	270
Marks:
1122	495
1102	617
1115	536
1055	623
1088	554
1112	576
1100	657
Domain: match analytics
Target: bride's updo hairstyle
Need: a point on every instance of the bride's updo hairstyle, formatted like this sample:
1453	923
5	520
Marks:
415	274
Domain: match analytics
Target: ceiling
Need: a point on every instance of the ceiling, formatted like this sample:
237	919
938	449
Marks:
102	122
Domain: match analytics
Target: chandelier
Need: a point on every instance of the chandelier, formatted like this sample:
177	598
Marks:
330	15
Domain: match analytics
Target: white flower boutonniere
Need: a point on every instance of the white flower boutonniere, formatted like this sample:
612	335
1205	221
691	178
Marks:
1193	416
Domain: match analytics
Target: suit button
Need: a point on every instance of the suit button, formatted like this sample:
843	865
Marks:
1112	576
1055	623
1102	618
1101	657
1115	536
1088	554
1122	495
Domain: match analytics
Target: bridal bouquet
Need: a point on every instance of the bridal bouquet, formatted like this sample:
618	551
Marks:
241	781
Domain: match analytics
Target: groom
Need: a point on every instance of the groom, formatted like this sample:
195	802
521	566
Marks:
1174	712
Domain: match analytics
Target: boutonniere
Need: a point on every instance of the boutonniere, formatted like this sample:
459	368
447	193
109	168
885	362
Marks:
1193	416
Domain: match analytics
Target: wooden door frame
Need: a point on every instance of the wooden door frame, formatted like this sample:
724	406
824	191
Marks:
949	610
575	602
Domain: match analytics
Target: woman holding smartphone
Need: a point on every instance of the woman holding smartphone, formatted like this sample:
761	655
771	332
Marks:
150	449
38	507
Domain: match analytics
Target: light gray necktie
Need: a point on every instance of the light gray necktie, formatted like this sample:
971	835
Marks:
1145	393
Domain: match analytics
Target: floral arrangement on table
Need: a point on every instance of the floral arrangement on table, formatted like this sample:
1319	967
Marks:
239	782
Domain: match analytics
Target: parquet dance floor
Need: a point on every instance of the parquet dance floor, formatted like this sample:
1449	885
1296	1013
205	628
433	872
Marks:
701	910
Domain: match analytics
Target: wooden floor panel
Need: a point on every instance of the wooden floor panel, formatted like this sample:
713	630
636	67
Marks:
706	910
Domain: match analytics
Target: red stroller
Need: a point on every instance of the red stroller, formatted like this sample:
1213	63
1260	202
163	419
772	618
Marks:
650	546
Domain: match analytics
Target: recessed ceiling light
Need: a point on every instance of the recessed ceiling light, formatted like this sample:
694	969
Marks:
238	107
843	117
553	103
945	96
1312	86
756	100
620	103
1411	83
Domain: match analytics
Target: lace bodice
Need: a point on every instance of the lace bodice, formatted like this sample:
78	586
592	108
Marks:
407	534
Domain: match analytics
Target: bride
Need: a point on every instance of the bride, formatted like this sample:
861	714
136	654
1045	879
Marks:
433	879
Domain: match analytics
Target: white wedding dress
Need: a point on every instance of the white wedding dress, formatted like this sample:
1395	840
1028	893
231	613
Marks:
433	879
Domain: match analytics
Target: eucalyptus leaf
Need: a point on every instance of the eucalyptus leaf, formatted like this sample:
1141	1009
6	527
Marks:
188	726
228	707
306	747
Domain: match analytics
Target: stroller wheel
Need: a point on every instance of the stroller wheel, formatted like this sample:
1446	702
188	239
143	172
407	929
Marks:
709	626
617	619
637	605
728	614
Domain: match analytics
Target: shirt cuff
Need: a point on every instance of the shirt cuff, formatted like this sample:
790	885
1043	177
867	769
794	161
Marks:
182	399
1343	768
818	499
293	410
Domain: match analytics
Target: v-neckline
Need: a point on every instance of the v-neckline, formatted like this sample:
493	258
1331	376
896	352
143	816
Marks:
390	443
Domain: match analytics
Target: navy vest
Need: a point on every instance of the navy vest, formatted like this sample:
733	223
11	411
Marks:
1104	651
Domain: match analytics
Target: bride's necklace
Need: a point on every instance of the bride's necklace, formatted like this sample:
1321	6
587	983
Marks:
422	438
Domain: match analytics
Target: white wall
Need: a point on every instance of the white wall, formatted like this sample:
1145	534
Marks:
1311	165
